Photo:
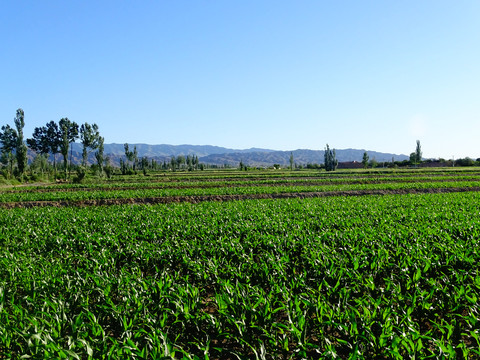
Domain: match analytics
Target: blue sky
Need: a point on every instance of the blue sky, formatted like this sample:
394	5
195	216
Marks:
284	75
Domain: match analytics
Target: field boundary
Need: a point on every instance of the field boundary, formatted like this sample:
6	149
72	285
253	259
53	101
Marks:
219	198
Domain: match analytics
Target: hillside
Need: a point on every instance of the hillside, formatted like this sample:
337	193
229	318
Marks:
165	150
303	157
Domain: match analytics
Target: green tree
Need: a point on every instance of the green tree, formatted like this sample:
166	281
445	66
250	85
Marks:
46	139
144	163
123	166
53	139
365	160
330	159
8	140
68	133
291	161
418	153
413	158
135	159
40	163
21	148
99	154
180	161
39	141
128	153
89	137
131	156
196	162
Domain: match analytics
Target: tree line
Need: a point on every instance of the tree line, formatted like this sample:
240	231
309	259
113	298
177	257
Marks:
52	139
57	138
331	162
133	163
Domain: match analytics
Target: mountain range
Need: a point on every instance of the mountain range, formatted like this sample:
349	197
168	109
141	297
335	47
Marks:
215	155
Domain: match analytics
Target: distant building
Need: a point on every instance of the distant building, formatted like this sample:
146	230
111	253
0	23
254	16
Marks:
350	165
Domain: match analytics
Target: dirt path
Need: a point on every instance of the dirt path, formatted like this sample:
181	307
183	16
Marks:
202	198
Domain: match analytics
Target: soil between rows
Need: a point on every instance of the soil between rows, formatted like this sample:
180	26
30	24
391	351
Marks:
239	197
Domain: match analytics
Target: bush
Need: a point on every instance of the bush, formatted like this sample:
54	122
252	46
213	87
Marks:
80	175
108	171
465	162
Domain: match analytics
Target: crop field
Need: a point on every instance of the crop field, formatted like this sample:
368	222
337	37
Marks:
243	265
237	185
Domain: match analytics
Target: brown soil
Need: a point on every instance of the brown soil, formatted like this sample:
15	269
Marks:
202	198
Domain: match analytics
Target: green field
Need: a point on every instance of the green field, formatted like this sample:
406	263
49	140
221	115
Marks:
392	275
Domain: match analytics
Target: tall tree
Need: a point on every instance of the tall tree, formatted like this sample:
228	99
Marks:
135	159
46	139
331	161
99	154
180	161
365	160
418	153
144	163
89	136
69	133
8	140
291	161
53	139
21	148
39	141
128	155
123	166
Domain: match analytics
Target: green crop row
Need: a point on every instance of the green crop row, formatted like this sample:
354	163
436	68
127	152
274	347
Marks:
235	182
360	278
227	190
213	183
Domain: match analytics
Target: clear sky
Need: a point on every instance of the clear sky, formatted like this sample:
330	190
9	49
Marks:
283	75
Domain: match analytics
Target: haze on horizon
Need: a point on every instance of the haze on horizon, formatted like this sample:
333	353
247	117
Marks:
279	75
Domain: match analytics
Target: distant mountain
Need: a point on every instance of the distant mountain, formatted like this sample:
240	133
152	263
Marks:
216	155
165	150
299	156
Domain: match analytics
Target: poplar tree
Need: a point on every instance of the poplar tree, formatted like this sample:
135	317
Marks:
135	159
69	133
99	154
89	136
418	153
365	160
21	148
8	140
46	139
53	140
131	156
330	159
